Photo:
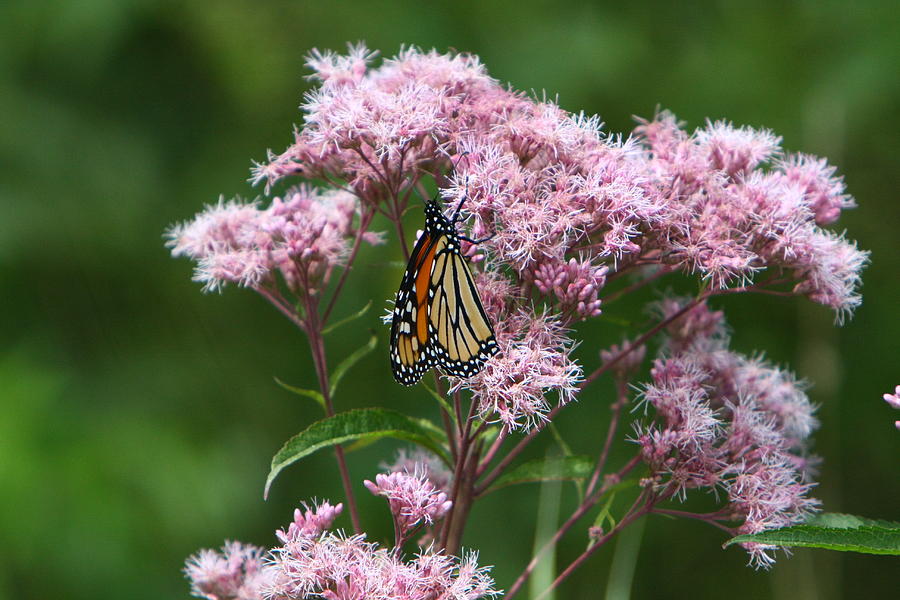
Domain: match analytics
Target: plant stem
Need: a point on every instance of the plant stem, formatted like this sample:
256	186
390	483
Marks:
463	484
650	500
278	302
613	426
492	451
462	504
640	341
365	219
317	347
509	458
711	518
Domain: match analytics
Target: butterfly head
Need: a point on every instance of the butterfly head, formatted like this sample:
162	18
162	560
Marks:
432	208
434	214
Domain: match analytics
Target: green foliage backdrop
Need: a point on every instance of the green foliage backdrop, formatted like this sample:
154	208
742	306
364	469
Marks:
139	416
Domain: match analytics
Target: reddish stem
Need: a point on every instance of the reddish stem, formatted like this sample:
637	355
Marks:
611	430
641	340
317	347
492	451
365	219
280	303
463	481
627	520
634	513
711	518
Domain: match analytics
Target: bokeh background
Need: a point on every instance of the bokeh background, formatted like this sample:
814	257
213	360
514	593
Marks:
139	415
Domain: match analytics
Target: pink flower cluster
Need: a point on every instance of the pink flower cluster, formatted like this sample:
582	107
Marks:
412	497
725	421
727	218
565	209
533	362
335	567
373	127
238	572
315	562
421	461
574	284
301	237
310	522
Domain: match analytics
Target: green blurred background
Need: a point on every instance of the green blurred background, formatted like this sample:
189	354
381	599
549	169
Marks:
139	416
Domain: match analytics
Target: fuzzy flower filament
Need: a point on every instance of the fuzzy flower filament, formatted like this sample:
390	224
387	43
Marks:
310	522
533	362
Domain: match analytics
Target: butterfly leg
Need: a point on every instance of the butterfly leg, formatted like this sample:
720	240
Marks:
476	242
460	205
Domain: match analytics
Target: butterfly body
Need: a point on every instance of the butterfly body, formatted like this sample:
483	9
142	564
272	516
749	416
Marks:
438	320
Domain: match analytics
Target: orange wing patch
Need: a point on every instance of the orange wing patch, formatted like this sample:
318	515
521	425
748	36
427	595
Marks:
423	280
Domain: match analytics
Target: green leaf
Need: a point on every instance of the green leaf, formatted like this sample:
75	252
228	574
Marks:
349	319
313	394
365	423
833	531
538	469
348	362
437	433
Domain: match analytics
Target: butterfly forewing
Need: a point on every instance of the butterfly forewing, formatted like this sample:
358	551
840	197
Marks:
410	356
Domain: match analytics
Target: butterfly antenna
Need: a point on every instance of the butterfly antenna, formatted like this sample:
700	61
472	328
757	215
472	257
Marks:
461	202
459	158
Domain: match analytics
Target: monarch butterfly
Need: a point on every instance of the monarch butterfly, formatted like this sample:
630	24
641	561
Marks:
438	320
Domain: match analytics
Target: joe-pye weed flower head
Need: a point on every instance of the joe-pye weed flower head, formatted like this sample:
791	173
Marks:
412	497
301	237
723	421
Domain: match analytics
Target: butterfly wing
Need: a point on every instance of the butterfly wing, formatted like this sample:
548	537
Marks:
461	333
410	348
